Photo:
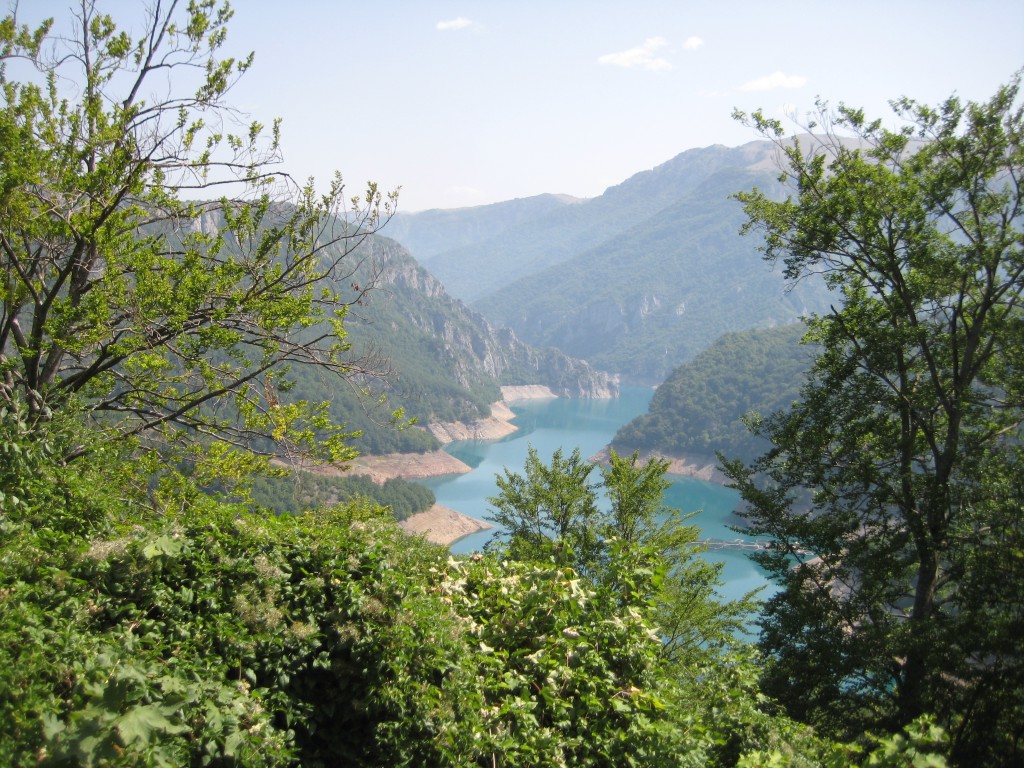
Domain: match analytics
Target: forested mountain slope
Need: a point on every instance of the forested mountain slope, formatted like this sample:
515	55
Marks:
640	279
447	363
659	293
699	409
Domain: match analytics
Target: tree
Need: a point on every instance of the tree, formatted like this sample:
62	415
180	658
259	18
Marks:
550	512
648	536
128	295
635	545
892	489
213	635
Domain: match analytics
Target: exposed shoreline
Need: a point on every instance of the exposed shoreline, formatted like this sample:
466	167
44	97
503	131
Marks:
492	427
444	526
526	392
439	524
689	465
498	424
416	466
408	466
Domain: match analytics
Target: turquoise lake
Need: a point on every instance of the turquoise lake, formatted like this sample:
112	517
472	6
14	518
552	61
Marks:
589	425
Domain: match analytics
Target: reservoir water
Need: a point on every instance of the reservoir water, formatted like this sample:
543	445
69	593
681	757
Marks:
589	425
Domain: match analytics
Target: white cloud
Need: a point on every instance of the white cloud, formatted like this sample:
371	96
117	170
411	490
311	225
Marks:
692	43
773	81
641	56
459	23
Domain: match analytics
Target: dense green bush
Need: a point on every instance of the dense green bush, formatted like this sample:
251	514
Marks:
194	632
150	624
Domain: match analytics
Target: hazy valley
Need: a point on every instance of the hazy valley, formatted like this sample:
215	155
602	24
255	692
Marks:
636	281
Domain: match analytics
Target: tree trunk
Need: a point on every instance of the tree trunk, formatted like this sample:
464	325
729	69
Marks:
916	666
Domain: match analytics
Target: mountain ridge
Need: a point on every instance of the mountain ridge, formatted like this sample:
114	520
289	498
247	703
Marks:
470	271
641	278
449	362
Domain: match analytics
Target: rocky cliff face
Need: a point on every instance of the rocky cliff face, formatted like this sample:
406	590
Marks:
469	348
637	280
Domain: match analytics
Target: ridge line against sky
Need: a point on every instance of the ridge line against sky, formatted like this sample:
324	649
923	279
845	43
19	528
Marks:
474	102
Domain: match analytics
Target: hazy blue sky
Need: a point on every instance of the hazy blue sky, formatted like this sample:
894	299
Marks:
464	103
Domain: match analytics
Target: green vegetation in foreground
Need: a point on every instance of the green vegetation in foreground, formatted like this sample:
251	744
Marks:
701	408
551	514
893	487
155	625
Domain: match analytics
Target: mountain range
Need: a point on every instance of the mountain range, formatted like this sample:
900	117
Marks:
446	363
637	280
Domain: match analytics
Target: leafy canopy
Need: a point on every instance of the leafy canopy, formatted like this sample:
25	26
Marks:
633	545
893	487
144	626
125	294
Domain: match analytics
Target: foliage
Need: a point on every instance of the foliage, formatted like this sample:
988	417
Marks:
573	673
636	547
701	706
567	679
307	490
548	513
921	744
158	626
158	315
213	636
699	410
893	487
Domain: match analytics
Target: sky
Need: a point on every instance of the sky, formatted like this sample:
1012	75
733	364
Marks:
473	102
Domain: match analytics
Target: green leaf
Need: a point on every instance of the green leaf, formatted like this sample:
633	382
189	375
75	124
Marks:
164	546
141	726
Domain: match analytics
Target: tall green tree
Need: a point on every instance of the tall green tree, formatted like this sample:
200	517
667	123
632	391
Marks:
550	512
634	545
123	292
892	489
641	531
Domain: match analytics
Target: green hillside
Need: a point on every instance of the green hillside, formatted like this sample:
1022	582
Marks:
445	362
635	281
659	293
699	409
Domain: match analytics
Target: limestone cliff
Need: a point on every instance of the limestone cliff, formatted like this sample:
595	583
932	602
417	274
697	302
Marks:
489	428
473	352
